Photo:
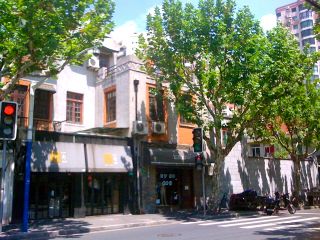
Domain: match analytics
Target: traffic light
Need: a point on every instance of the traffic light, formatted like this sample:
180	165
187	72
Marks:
8	120
197	140
198	161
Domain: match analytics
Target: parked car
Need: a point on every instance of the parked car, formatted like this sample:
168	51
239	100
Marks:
247	200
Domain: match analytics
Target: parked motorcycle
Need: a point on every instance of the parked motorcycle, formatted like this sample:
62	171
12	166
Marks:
273	204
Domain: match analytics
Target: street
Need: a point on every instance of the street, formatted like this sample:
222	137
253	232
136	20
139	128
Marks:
302	225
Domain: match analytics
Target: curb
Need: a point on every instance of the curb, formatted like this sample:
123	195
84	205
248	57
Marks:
61	233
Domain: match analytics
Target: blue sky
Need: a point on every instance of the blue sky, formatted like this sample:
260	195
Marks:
130	15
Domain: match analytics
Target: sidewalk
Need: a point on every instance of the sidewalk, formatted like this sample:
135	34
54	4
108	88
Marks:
46	229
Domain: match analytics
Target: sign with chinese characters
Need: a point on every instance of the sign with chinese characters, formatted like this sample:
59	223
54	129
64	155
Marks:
167	179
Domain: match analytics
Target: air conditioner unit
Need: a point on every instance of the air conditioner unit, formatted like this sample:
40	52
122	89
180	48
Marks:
102	73
93	63
140	127
158	127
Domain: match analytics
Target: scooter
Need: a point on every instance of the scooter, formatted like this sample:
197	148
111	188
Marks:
273	204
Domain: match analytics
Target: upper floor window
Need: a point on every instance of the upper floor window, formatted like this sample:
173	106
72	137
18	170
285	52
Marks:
308	40
306	14
306	33
295	18
306	23
74	107
42	100
269	151
293	9
301	7
110	98
255	150
156	109
278	14
19	96
295	27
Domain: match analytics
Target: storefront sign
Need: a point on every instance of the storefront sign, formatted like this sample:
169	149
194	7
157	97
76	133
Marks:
57	157
166	179
108	159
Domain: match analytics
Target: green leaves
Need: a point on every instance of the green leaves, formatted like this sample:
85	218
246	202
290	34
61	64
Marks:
42	34
220	56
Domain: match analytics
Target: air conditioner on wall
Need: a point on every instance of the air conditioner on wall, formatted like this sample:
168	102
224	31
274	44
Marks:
158	127
93	63
140	127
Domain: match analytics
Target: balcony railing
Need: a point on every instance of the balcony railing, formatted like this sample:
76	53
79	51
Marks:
40	124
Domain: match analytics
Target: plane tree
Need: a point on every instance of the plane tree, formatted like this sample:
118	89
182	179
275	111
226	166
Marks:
44	36
217	55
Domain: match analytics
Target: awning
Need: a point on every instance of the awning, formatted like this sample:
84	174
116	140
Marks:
57	157
176	157
109	158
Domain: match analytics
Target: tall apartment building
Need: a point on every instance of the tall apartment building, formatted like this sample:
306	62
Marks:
300	20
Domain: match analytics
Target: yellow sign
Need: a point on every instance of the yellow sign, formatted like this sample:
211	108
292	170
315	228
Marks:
108	159
55	157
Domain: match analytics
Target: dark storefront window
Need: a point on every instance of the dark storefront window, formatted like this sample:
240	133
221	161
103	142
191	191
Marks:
102	194
174	187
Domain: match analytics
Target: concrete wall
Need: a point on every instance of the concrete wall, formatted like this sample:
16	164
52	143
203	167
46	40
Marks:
76	79
265	175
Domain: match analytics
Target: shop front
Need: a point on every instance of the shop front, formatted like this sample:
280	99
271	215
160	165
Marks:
78	179
171	172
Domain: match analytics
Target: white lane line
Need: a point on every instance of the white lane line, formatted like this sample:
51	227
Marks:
257	221
281	222
283	227
195	222
236	221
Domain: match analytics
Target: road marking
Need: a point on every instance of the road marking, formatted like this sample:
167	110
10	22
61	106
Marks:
236	221
259	220
281	222
283	227
194	222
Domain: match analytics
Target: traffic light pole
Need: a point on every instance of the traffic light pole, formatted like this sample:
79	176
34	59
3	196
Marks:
3	173
204	190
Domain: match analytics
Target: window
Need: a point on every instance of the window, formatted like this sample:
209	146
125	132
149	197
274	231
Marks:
305	15
306	33
293	9
295	18
42	104
156	110
301	7
308	40
110	105
19	96
255	150
74	107
269	151
306	23
295	27
278	14
224	137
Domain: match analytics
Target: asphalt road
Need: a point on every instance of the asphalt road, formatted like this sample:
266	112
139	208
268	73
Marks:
303	225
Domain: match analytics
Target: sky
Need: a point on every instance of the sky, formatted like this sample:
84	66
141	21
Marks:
130	15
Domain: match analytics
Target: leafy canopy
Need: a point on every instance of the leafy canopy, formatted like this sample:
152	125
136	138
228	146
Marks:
221	57
48	34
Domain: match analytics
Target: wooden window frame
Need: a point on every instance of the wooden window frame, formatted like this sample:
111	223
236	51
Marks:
74	98
110	117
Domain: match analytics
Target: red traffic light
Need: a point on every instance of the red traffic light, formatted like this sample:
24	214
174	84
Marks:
9	109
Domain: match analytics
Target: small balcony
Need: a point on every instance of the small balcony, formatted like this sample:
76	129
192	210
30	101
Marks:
40	124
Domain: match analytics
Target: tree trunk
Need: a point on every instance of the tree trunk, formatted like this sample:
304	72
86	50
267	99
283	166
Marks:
216	182
296	176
